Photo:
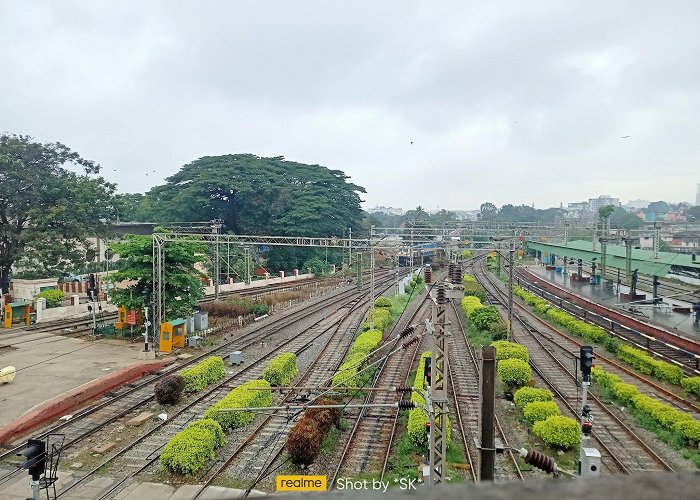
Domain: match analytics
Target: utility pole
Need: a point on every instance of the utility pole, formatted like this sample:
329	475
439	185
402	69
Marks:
349	246
589	464
657	241
246	255
411	250
487	451
216	229
511	263
371	276
437	391
358	260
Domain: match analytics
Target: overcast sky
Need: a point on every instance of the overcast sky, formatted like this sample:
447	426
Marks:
507	102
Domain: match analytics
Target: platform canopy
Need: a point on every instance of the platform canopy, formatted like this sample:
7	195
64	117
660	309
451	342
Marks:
615	256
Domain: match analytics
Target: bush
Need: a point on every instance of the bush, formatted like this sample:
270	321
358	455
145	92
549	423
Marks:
417	279
624	392
638	359
240	397
692	385
204	373
558	431
668	372
366	342
473	289
168	389
484	316
303	442
498	330
468	278
53	297
540	410
469	304
611	344
514	372
188	450
510	350
690	430
259	309
325	418
380	319
382	302
526	395
281	370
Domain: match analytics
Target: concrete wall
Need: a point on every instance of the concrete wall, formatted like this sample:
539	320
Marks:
55	313
28	289
233	287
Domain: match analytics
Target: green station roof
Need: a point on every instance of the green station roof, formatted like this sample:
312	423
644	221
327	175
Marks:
615	256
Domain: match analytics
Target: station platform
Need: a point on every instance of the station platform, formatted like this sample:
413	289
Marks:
49	365
662	316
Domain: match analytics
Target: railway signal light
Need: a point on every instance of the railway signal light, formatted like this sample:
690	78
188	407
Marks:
586	362
35	453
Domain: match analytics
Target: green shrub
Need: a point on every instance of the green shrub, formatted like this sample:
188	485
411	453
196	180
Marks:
380	319
604	379
408	288
53	297
240	397
668	372
188	450
204	373
417	279
259	309
692	385
637	358
281	370
382	302
558	431
469	304
624	392
611	344
468	278
473	289
498	330
526	395
366	342
482	317
514	372
510	350
347	375
540	410
689	429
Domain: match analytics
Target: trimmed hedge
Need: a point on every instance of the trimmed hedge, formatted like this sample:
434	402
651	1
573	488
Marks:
540	410
692	385
665	415
510	350
646	364
468	278
365	343
240	397
526	395
474	289
204	373
558	431
484	316
281	370
188	450
514	372
470	304
498	330
53	297
382	302
380	319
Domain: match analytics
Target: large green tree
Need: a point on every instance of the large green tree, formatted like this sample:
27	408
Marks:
183	287
255	195
47	211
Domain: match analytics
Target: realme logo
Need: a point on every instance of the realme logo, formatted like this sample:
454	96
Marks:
301	483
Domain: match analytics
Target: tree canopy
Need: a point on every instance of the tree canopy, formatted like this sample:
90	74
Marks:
47	211
255	195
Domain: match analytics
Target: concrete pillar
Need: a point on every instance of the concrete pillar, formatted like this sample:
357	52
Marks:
267	276
75	302
230	280
296	272
282	274
211	282
40	308
333	268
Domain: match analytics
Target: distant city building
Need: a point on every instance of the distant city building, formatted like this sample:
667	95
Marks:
601	201
466	215
697	195
386	210
636	204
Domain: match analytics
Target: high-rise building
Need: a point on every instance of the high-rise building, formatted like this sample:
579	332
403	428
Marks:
595	203
697	195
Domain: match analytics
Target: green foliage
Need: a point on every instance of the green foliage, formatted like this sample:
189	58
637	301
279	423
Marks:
242	396
540	410
692	385
474	289
188	450
482	317
365	343
466	254
204	373
558	431
624	392
510	350
281	370
183	288
417	279
48	211
646	364
526	395
470	304
53	297
379	319
498	330
611	344
514	372
690	430
318	267
540	304
382	302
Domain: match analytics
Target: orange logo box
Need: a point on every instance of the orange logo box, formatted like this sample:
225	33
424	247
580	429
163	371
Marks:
301	483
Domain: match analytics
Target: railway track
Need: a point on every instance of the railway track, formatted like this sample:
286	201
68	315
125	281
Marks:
141	453
622	450
464	378
657	347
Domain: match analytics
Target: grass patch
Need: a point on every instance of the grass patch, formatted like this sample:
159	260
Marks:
330	440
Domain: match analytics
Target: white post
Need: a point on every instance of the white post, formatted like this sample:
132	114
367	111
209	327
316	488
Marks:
40	308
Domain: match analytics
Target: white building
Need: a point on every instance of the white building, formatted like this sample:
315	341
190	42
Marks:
386	210
601	201
697	195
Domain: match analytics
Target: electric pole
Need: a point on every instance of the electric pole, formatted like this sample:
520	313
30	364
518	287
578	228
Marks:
511	263
437	391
